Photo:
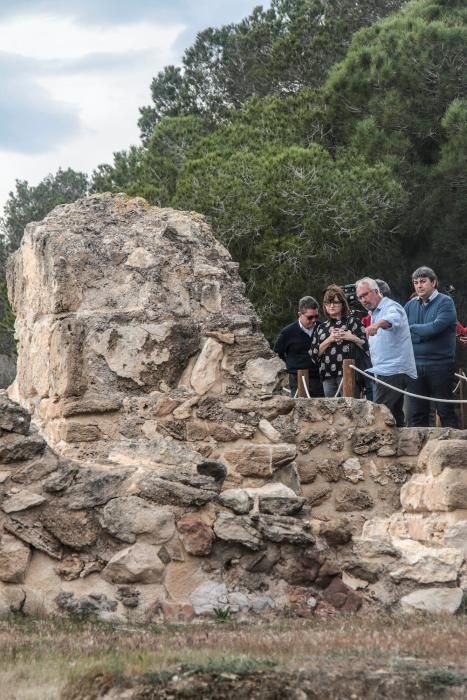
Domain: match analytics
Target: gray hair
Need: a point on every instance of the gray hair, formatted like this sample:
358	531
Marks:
307	303
373	284
424	272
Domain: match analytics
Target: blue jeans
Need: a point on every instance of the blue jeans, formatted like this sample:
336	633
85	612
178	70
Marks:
437	383
331	386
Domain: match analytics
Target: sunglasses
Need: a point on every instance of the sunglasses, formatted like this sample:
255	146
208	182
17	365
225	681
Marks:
311	318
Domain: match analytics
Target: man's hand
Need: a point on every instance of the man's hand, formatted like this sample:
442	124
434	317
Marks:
372	330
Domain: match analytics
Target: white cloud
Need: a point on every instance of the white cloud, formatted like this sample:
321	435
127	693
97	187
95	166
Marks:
88	84
47	37
73	75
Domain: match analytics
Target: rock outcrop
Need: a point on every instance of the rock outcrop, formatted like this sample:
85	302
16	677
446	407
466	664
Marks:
165	475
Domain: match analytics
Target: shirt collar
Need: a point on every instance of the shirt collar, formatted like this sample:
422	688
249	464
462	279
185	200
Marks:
308	331
378	307
432	296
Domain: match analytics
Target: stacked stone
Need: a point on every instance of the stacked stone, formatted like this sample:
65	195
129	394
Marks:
425	544
122	537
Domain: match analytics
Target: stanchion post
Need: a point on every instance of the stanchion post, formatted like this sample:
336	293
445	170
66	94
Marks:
462	406
301	373
349	384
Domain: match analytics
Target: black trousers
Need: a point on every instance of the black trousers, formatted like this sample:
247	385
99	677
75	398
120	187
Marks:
394	400
436	382
315	387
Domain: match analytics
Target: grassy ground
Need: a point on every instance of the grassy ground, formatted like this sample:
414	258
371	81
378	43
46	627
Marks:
45	659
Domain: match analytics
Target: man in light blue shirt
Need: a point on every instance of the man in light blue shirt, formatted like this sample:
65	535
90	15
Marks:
391	350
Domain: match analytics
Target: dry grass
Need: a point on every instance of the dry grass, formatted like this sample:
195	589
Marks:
37	657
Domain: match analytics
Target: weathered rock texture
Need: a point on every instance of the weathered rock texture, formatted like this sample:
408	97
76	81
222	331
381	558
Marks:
165	475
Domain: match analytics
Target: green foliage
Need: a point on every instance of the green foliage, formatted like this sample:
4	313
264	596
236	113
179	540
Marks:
441	677
28	203
279	51
7	319
152	171
229	663
293	215
126	174
222	614
398	97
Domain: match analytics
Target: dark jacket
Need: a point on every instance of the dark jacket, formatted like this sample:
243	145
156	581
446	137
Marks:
292	346
433	330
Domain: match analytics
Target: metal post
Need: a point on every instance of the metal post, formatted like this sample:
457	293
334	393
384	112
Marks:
301	393
349	386
461	396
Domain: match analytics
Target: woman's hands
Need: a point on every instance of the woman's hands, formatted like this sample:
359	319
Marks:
340	334
336	335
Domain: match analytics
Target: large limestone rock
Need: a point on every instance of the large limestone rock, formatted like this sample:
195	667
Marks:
447	491
14	559
127	517
139	563
439	454
426	564
114	297
433	600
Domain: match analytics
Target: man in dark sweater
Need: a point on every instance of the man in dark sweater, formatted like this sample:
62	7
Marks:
293	345
432	321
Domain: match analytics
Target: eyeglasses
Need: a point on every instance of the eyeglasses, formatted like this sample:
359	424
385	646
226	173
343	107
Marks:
365	294
312	318
332	303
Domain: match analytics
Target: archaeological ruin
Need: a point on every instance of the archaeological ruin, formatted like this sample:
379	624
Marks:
151	468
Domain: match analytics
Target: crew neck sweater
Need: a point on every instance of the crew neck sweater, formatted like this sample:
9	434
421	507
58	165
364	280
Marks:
293	346
433	330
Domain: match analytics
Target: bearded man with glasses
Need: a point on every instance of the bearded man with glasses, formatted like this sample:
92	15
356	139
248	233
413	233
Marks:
391	351
294	343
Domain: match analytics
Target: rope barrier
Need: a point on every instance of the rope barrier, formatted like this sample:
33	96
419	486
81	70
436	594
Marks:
305	387
461	376
339	388
402	391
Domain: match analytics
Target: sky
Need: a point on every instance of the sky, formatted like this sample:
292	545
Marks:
73	75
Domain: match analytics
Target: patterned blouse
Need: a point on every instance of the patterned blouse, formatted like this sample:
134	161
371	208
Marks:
330	362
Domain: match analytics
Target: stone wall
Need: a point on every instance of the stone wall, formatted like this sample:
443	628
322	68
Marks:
165	476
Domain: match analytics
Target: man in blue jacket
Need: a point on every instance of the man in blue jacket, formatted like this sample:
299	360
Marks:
293	346
432	321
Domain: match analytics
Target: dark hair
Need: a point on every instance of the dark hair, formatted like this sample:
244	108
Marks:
424	272
307	303
384	287
335	292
